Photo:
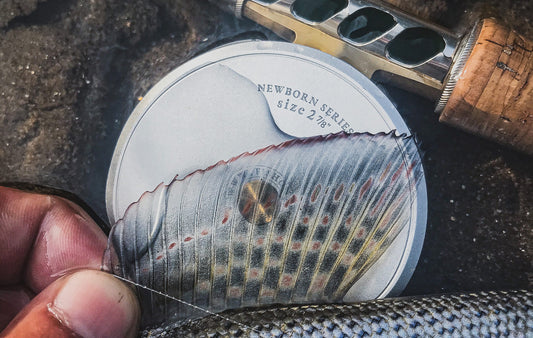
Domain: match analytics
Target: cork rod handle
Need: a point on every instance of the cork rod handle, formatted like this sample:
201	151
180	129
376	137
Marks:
493	96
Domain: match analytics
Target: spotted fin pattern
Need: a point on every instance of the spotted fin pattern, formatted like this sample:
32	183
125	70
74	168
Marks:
300	222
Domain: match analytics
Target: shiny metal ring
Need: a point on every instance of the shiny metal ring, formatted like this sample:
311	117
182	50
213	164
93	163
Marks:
457	68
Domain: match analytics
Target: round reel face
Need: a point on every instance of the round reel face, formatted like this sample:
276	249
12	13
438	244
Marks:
246	96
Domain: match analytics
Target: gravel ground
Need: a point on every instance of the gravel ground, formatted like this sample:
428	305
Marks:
72	72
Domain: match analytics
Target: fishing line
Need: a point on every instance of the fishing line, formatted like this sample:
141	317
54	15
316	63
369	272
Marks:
188	304
64	272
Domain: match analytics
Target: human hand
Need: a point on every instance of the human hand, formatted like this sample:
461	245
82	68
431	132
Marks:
41	238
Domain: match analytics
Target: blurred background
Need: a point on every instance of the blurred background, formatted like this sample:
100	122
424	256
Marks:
73	70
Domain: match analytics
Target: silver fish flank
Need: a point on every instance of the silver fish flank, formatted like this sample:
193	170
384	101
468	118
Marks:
484	314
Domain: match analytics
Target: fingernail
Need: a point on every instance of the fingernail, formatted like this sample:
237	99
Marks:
95	304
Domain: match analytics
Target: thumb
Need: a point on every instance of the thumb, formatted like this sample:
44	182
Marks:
87	303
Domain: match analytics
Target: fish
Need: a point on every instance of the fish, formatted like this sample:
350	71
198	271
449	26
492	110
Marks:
483	314
294	223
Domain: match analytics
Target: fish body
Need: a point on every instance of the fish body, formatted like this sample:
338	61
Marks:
484	314
295	223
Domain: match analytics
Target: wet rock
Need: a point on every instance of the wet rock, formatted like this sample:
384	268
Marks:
42	81
10	9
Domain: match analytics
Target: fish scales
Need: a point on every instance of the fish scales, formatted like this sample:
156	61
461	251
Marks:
484	314
294	223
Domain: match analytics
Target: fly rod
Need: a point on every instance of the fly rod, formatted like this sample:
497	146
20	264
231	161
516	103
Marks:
482	82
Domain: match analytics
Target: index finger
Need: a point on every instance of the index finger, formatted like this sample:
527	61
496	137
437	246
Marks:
42	236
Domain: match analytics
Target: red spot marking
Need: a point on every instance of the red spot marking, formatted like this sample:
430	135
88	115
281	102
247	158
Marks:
279	239
226	217
247	207
380	202
260	241
271	199
388	216
315	193
385	221
365	187
267	293
188	239
361	233
336	246
205	232
291	200
347	260
349	220
254	273
410	169
325	220
316	245
306	220
159	257
318	283
321	282
297	246
397	173
235	292
286	280
172	246
382	177
145	270
273	262
339	192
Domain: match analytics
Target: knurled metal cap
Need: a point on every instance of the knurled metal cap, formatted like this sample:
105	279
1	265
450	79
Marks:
459	63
